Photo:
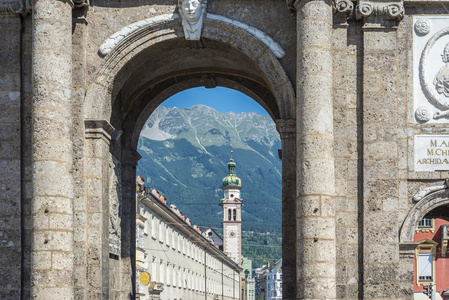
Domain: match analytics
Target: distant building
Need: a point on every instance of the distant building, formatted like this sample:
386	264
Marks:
431	260
173	258
232	214
257	275
213	237
274	282
268	281
248	280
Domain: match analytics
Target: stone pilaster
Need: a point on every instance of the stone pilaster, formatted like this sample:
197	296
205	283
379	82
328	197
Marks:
92	235
10	153
287	131
316	250
347	117
130	159
380	150
406	260
52	158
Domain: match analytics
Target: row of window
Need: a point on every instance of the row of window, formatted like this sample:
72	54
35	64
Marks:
167	235
277	276
177	245
180	277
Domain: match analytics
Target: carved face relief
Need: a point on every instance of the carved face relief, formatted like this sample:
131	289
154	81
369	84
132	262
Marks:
441	80
191	10
192	13
445	54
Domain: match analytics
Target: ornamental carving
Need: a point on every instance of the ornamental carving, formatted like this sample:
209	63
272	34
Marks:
422	26
343	7
441	80
389	10
115	200
423	114
22	7
192	13
431	64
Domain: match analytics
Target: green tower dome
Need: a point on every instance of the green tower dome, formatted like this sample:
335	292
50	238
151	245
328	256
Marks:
231	179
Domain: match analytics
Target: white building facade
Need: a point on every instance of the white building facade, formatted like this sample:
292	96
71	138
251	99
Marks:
182	264
274	282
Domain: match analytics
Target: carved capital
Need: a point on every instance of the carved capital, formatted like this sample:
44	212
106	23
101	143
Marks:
24	7
21	7
343	8
379	12
286	128
98	129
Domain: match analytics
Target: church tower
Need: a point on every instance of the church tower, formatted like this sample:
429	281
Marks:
232	214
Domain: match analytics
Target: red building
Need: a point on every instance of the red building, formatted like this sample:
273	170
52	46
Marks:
431	263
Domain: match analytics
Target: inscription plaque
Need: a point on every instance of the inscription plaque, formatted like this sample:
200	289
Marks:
431	153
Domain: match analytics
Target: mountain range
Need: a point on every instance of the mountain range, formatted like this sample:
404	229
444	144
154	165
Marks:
185	154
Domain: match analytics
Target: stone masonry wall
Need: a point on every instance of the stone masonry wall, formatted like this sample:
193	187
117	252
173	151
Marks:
347	145
55	164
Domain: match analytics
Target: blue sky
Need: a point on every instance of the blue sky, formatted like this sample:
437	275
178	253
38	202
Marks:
219	98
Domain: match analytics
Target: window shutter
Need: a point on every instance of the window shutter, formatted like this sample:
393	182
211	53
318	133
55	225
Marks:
425	266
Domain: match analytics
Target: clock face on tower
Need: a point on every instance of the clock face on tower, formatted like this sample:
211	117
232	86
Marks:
232	233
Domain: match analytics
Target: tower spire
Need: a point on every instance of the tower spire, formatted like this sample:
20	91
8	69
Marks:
231	179
232	213
231	166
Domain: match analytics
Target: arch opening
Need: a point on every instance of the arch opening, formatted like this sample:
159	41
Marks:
140	74
196	161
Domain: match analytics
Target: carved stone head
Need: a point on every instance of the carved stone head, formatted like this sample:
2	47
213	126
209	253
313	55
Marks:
192	10
192	13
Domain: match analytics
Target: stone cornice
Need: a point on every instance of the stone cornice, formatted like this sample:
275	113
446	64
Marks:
21	7
376	11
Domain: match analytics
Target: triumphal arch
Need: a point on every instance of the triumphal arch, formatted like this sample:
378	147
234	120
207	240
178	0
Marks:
359	91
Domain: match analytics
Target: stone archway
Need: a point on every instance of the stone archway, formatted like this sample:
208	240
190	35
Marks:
142	72
439	197
428	199
134	51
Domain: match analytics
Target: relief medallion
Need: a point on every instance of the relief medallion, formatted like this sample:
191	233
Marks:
431	68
